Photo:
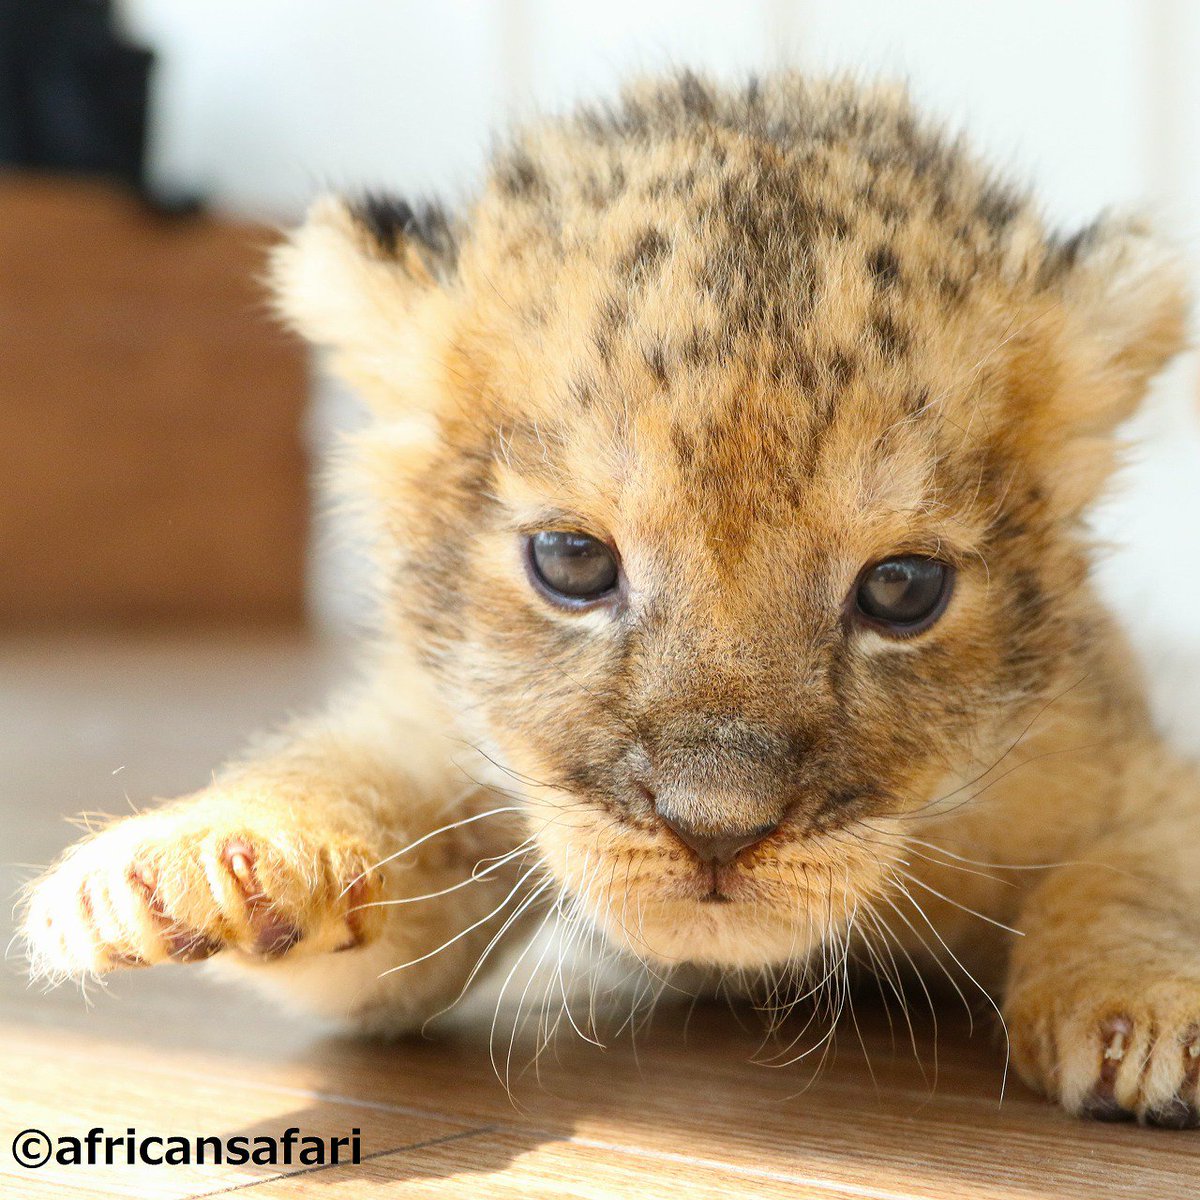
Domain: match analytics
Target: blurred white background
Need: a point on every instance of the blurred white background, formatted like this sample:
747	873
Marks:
260	103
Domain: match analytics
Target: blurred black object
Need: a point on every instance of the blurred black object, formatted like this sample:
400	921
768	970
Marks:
73	92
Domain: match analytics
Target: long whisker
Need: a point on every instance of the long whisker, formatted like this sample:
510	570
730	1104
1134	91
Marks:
412	962
936	959
474	877
889	971
908	840
561	982
983	991
937	802
922	813
848	934
909	846
543	887
478	966
890	939
963	907
426	837
521	1012
513	774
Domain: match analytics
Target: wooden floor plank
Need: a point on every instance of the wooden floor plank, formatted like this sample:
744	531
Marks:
505	1166
69	1088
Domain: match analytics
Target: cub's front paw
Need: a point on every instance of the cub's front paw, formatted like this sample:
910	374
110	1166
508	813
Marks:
165	887
1114	1053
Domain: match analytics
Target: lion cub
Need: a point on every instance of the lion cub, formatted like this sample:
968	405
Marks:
727	475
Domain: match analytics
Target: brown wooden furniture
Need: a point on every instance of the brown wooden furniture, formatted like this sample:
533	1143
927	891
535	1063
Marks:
151	461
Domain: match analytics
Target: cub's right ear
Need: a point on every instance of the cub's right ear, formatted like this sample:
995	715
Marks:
352	275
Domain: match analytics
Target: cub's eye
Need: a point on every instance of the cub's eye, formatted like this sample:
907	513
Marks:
904	595
571	567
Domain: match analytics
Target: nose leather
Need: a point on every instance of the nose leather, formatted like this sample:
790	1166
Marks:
716	848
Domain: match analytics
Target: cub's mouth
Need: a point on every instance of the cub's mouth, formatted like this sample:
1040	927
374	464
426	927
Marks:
710	882
750	901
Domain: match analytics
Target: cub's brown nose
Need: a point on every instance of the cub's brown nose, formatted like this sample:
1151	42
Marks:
716	848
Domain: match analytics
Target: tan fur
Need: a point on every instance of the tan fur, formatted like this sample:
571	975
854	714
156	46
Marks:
755	339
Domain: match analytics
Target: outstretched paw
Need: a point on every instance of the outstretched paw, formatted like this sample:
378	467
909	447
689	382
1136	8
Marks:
157	889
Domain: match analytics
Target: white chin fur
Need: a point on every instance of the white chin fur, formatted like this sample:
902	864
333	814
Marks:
732	936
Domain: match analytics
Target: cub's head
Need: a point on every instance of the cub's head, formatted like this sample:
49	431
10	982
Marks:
730	453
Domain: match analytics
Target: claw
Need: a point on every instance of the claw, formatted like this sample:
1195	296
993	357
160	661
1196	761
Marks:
1101	1103
1191	1052
241	863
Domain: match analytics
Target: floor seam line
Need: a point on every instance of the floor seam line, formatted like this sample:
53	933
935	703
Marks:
461	1135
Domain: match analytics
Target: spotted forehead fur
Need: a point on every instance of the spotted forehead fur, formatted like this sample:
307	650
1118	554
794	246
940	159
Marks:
798	221
785	296
768	275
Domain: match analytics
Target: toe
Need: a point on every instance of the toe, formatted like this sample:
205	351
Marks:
272	932
1100	1101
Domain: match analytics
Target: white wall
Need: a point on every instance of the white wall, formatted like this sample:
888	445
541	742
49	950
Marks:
262	102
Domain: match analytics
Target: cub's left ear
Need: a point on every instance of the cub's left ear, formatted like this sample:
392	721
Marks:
1126	315
353	275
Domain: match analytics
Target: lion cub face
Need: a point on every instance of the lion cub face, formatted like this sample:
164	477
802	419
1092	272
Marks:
729	457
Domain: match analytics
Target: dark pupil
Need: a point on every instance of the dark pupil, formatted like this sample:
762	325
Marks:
902	591
573	564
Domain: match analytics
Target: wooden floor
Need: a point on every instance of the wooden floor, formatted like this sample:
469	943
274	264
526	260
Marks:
84	724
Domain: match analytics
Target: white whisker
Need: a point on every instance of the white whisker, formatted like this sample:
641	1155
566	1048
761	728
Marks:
422	840
963	907
412	962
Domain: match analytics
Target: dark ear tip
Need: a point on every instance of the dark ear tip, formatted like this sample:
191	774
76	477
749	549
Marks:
1114	245
389	224
383	218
